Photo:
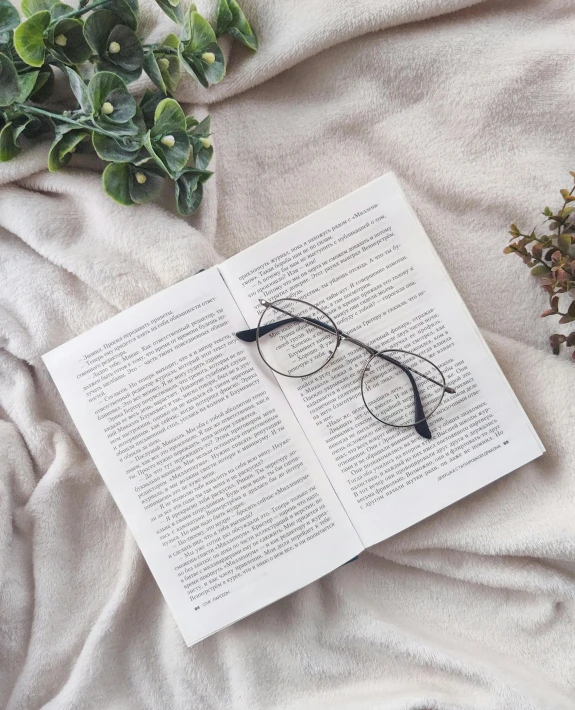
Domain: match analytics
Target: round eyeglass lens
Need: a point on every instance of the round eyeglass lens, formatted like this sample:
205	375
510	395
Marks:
304	340
388	391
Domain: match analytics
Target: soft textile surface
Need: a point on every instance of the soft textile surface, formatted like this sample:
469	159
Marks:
471	104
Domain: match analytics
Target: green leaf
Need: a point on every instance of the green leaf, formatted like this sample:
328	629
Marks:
27	84
58	9
540	270
189	190
104	27
152	69
101	86
117	150
215	71
199	52
169	123
71	31
144	184
97	29
62	148
197	32
564	242
31	7
9	17
8	146
148	104
202	155
131	54
191	123
224	17
172	41
171	72
173	9
121	149
187	202
193	66
163	70
9	84
44	84
127	11
20	125
116	182
79	89
124	106
197	133
204	71
169	115
130	184
203	128
231	20
29	38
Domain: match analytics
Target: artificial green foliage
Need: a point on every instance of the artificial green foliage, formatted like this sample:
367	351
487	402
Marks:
162	64
9	83
189	189
199	137
62	148
199	51
551	257
117	47
167	141
31	7
9	17
131	184
173	9
97	48
231	20
29	38
66	42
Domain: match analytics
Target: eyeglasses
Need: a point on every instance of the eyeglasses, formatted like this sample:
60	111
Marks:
399	388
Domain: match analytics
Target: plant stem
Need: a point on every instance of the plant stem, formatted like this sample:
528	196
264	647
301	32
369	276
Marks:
83	10
35	111
531	256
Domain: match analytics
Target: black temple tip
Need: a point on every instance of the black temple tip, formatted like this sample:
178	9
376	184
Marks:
422	428
248	336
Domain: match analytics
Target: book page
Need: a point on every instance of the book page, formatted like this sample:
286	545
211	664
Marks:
366	261
203	456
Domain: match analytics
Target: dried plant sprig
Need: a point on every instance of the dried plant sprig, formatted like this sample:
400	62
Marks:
551	257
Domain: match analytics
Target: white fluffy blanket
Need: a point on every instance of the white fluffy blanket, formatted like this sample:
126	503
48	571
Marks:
471	104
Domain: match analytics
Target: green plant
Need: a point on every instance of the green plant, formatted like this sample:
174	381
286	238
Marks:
551	257
97	47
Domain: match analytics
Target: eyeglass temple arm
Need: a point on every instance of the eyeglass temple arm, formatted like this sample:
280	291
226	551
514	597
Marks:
250	336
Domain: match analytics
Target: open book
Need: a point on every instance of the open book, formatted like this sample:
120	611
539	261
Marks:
240	485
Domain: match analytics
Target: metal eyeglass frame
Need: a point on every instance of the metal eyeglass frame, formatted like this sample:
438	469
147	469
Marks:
420	424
